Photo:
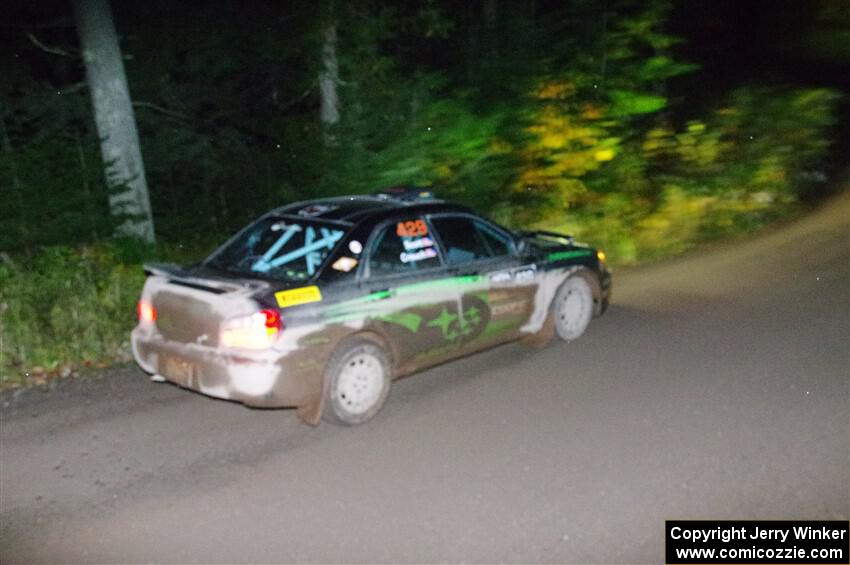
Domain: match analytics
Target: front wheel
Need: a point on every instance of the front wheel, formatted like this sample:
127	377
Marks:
573	308
358	377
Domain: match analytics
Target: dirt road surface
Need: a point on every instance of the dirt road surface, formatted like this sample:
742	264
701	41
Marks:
716	387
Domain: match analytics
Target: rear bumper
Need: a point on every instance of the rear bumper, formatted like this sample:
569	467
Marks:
262	379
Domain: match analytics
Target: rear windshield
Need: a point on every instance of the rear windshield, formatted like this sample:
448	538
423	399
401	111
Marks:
279	248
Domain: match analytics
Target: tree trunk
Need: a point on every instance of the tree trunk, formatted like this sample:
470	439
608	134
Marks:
114	118
328	80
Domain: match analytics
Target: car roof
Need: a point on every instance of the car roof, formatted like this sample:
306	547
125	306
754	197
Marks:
357	209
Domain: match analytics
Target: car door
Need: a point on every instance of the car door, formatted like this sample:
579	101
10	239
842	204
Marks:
497	288
415	302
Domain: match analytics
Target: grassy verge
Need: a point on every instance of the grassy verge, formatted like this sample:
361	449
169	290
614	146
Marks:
70	309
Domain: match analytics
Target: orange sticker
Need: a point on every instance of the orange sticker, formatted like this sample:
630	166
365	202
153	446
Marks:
411	228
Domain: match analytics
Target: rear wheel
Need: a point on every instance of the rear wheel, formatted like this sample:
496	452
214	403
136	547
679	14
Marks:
359	378
573	308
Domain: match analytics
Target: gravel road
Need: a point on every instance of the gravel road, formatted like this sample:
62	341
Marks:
717	386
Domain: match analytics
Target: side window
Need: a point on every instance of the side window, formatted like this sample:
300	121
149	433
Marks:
341	268
403	247
466	240
496	242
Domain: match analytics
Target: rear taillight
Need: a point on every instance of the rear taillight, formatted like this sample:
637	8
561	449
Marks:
273	323
256	331
146	312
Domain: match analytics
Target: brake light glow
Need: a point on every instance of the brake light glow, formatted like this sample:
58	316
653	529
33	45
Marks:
272	320
257	331
146	312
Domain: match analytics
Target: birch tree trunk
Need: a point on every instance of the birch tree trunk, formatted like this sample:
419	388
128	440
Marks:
114	118
328	80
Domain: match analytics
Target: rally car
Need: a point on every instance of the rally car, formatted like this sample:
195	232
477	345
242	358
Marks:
320	305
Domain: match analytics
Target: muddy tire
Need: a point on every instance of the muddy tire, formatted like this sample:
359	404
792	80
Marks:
358	381
573	307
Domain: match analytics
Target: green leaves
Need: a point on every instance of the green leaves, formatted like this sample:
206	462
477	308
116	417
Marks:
628	103
661	67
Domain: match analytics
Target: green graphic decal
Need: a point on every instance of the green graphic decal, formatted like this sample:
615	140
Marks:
444	322
501	326
380	295
569	254
406	319
469	321
342	312
439	283
453	326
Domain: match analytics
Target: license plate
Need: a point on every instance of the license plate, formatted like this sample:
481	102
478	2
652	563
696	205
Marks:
177	369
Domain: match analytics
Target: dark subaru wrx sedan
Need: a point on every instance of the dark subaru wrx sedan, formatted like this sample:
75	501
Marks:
319	305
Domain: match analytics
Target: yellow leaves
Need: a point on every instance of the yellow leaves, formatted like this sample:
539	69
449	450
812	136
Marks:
443	171
554	140
555	90
604	155
561	188
591	112
500	146
656	223
770	171
696	126
651	145
572	163
676	222
657	139
696	145
556	130
566	146
659	133
530	179
568	138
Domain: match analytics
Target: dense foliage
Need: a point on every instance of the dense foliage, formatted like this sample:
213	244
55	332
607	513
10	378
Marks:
564	115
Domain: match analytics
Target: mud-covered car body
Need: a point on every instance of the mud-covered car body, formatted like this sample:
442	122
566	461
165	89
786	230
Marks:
426	281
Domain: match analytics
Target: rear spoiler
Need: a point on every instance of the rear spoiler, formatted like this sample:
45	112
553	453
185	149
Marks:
178	275
568	239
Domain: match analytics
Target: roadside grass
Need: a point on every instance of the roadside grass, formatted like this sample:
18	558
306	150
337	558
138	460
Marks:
69	309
